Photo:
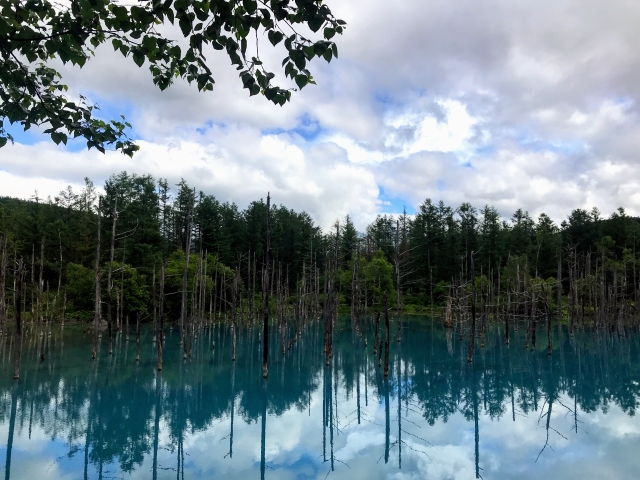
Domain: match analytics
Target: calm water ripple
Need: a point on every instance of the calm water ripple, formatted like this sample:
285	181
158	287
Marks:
513	413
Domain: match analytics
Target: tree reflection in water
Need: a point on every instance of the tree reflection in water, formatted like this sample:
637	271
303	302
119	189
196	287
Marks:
116	416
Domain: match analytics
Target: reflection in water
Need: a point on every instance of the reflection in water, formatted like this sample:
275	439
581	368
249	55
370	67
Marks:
511	413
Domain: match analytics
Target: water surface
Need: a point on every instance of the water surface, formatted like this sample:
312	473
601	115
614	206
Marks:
513	413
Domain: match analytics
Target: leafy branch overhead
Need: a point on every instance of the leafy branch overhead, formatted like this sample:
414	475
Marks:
33	32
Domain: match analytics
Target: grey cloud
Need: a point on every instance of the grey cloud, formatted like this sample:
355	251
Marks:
552	87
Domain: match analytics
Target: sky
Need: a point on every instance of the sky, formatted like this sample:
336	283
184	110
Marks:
604	447
524	104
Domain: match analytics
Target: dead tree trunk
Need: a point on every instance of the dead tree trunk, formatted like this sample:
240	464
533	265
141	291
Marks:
97	318
376	336
386	340
155	305
265	296
3	282
161	318
534	316
233	316
398	304
185	273
41	285
137	336
547	313
506	316
472	334
559	287
18	332
114	218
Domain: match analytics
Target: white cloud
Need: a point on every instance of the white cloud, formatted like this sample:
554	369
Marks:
541	100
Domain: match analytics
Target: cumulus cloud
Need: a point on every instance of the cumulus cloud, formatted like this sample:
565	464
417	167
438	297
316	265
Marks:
525	104
235	165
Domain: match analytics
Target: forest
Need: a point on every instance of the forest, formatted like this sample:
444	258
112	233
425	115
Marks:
149	252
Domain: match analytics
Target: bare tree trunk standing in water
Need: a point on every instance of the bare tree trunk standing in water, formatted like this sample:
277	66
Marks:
155	305
3	280
397	265
506	316
472	335
185	273
161	318
18	332
547	312
97	318
233	315
559	286
114	218
265	297
137	336
376	336
386	340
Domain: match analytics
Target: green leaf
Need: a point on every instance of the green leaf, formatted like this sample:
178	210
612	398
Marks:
309	52
136	12
3	142
329	33
315	23
298	59
270	93
138	58
301	80
250	6
185	25
275	37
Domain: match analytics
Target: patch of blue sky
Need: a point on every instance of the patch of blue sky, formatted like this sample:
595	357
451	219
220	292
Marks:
533	143
385	99
34	135
108	110
525	139
625	101
28	137
485	150
394	204
112	109
208	125
307	127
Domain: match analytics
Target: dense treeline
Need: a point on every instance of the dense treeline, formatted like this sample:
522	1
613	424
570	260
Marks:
418	262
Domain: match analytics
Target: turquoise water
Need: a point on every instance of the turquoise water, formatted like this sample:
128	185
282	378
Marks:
513	413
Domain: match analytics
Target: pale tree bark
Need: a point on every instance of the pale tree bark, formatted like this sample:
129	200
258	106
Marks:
185	273
3	283
265	296
97	318
18	332
161	318
114	219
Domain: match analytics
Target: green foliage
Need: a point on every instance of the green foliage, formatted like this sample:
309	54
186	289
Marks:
378	274
127	280
33	33
79	286
434	248
174	268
